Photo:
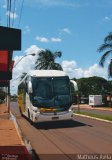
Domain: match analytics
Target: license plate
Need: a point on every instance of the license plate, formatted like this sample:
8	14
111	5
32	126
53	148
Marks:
55	118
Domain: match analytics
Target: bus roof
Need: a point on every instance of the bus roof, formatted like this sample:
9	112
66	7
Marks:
47	73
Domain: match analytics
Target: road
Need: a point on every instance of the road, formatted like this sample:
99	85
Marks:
63	140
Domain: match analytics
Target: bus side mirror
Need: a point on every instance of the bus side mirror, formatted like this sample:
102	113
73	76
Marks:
73	90
30	90
74	84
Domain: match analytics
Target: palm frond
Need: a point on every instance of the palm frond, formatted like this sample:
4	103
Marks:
46	60
103	58
108	38
57	54
40	65
56	66
104	47
110	69
23	75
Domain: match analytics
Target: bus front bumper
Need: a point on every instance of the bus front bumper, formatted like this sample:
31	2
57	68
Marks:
43	117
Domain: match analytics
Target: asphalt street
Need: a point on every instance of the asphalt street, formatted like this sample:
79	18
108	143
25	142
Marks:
65	140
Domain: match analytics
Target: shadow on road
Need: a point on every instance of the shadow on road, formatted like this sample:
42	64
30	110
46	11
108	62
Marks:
58	124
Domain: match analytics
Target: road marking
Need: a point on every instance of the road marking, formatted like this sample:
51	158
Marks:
99	119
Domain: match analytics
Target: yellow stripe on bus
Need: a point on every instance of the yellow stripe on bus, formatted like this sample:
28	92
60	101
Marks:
47	109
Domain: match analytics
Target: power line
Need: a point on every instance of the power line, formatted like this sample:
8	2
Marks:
14	8
16	78
21	13
0	17
0	20
8	12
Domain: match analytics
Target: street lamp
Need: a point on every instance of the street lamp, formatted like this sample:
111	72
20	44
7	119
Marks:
8	95
32	54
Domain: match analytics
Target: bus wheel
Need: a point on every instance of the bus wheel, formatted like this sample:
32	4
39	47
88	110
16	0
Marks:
28	114
20	111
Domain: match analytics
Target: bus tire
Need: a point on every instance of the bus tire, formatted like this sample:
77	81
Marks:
20	111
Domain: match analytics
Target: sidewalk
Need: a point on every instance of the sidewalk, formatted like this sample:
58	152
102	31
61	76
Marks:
11	144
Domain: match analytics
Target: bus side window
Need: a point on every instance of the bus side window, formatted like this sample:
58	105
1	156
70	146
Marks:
22	91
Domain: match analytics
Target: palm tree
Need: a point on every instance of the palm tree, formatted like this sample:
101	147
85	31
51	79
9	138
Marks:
46	60
106	47
23	75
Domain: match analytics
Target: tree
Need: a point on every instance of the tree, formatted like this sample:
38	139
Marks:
23	75
46	60
2	94
93	86
14	98
106	47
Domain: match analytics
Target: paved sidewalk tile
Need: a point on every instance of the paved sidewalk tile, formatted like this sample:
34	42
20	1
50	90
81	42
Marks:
8	133
11	144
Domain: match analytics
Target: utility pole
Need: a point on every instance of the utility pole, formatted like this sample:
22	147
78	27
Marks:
8	98
8	90
78	103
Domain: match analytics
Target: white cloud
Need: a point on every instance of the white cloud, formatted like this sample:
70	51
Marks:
72	69
42	39
26	29
69	65
50	3
107	18
95	70
66	30
11	14
25	64
5	4
46	40
33	49
56	39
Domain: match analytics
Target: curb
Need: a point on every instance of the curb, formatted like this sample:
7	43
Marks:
24	148
99	119
17	128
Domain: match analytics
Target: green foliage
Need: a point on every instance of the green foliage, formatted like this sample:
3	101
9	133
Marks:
23	75
93	86
46	60
106	47
2	94
13	98
110	69
105	117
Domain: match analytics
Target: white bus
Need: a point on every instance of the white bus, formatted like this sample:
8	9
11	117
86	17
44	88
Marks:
46	95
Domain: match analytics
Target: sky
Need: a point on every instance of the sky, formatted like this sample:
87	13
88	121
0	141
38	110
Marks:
75	27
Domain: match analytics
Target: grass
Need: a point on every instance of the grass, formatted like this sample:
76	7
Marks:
105	117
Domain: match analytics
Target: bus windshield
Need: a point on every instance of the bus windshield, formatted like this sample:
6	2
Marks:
50	91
